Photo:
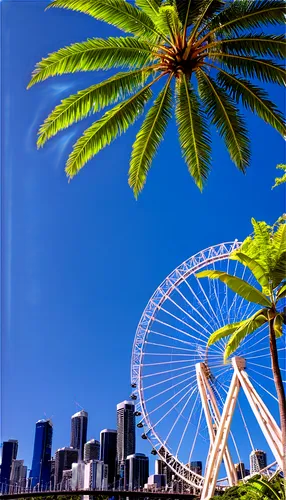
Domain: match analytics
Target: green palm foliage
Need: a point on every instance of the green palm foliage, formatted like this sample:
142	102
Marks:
202	53
264	253
282	179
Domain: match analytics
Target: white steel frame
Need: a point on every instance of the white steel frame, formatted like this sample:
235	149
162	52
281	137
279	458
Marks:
218	437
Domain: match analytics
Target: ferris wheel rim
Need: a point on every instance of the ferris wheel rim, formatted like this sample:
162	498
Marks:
219	252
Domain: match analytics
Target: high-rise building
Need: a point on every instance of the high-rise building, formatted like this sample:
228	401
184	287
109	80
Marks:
41	465
91	450
258	461
196	467
125	430
95	475
18	474
78	471
79	431
66	482
52	478
137	466
108	443
9	453
64	459
241	470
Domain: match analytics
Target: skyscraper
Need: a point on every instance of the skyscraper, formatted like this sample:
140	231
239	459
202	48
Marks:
41	465
137	466
125	430
78	431
18	474
91	450
64	458
196	467
9	453
258	461
108	443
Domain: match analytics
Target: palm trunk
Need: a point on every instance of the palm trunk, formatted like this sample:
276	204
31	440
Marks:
279	389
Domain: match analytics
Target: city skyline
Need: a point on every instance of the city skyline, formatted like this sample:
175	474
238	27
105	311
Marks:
66	261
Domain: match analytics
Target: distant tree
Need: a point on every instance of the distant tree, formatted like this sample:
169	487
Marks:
280	180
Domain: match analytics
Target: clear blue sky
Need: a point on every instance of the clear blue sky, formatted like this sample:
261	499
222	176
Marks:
81	260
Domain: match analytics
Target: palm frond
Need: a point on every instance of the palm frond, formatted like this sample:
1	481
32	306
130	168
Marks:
262	239
248	14
149	137
118	13
94	54
253	98
193	131
252	324
253	44
90	100
263	69
113	123
190	10
168	22
225	116
150	7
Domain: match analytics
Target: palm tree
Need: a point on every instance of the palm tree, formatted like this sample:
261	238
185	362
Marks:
170	42
264	254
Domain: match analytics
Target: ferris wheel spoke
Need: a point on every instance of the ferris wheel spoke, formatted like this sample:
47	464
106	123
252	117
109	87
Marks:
170	337
170	399
266	376
251	337
187	424
199	303
166	362
215	284
181	331
185	312
168	380
180	414
261	387
165	371
196	435
181	320
168	346
170	388
264	366
213	318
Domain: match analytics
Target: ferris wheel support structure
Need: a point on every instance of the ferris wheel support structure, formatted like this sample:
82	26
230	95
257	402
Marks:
267	423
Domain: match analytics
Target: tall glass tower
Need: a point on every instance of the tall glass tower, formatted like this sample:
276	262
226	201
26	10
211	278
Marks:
79	431
125	430
41	465
108	441
137	471
9	453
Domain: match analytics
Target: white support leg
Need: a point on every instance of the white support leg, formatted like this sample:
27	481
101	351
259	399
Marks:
219	445
208	399
267	423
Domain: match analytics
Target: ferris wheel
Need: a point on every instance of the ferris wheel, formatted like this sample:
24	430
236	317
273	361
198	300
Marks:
181	389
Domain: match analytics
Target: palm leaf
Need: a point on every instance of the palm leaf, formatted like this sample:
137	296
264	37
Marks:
94	54
93	99
263	244
278	256
118	13
263	69
149	137
238	286
168	22
281	293
278	325
253	44
193	132
113	123
282	179
245	14
150	7
257	270
253	98
250	325
224	115
189	10
225	331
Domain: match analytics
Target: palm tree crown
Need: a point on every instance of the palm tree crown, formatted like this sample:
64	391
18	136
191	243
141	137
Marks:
218	42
